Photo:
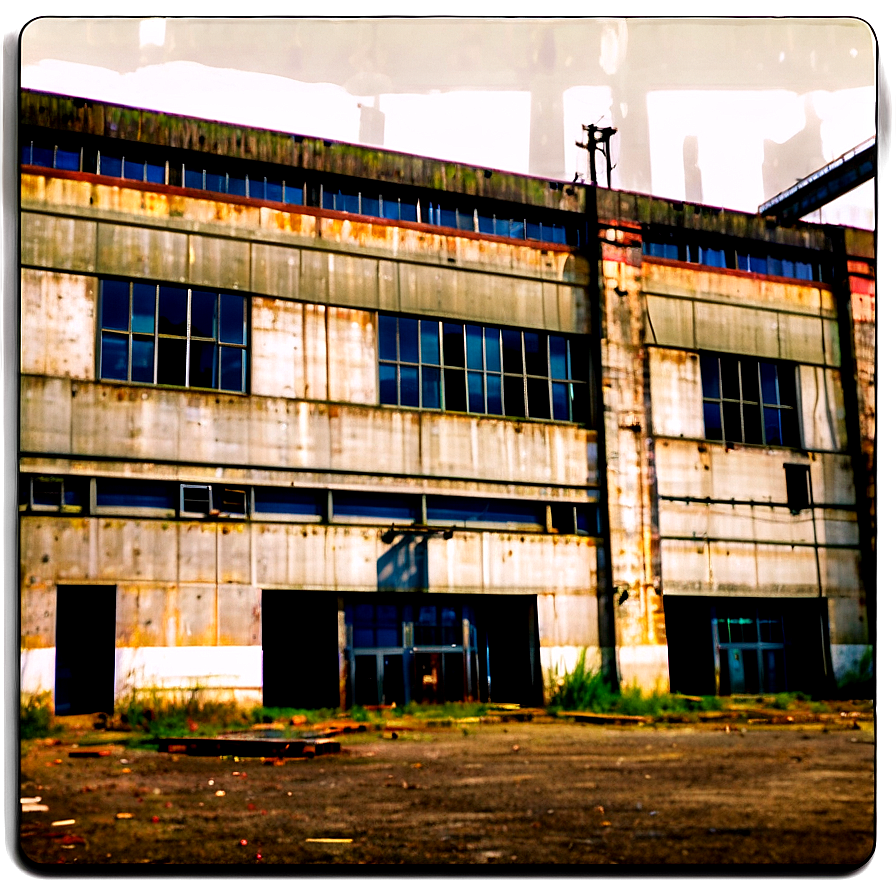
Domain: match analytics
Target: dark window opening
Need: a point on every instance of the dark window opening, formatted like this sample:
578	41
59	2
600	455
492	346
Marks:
797	479
195	499
135	493
746	401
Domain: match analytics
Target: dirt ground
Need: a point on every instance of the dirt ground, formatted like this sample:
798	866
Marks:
543	792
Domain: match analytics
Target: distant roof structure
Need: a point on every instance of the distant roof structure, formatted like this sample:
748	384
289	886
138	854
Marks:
835	179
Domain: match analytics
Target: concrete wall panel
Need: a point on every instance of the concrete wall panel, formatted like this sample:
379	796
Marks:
239	616
676	396
278	348
141	616
822	411
800	338
220	263
352	356
234	554
142	252
460	564
565	619
314	327
685	565
353	281
840	574
48	241
269	552
785	571
37	623
214	427
136	550
192	615
670	321
847	621
45	415
308	566
742	331
58	324
645	666
276	270
197	552
683	469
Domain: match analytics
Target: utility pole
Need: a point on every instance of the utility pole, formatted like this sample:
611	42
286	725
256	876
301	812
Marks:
598	144
606	613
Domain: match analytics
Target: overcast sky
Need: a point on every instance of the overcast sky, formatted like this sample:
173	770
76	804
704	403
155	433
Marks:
724	112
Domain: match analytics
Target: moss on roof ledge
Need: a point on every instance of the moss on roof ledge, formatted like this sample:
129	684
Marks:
101	119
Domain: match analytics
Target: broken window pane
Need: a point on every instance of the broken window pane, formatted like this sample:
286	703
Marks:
539	406
455	390
514	401
512	352
172	311
172	368
731	415
453	344
202	364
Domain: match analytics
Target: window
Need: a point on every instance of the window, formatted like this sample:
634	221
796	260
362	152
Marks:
481	370
753	256
797	479
748	401
195	500
173	336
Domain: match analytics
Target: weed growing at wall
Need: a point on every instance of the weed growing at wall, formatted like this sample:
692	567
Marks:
36	717
588	690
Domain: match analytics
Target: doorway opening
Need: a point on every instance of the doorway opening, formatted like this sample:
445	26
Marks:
85	649
299	649
440	649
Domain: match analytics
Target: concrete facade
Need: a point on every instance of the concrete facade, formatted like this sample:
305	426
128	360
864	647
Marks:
702	531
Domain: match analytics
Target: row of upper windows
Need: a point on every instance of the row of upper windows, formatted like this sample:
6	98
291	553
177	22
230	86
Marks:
360	197
330	192
178	336
754	257
80	494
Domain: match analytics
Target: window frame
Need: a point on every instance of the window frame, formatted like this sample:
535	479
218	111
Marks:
485	372
191	340
790	428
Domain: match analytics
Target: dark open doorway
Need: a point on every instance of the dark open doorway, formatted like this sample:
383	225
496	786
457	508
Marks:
300	649
85	649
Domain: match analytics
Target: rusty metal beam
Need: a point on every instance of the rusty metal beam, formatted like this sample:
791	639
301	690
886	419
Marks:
823	186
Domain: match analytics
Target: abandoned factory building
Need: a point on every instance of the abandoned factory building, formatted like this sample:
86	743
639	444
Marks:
317	424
